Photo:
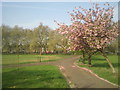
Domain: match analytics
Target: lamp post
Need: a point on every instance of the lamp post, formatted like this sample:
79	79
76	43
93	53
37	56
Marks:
18	55
40	52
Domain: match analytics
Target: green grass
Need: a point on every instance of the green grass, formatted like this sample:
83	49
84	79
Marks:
102	69
14	59
46	76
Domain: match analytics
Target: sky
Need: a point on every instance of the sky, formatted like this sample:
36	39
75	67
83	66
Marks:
31	14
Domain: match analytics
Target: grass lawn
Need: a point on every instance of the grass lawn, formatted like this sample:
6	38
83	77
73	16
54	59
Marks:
46	76
102	69
13	59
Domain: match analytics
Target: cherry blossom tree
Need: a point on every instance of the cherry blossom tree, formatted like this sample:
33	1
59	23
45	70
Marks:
91	30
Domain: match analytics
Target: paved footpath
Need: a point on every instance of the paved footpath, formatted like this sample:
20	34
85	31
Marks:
79	77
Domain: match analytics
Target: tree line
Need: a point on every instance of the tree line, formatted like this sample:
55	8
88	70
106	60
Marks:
41	40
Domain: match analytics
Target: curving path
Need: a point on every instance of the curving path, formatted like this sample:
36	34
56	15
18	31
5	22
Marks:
75	75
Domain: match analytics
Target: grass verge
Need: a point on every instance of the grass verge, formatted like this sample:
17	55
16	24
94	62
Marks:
46	76
102	69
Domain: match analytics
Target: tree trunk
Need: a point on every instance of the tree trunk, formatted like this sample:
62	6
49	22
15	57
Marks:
65	51
90	54
89	60
18	56
83	61
110	64
40	54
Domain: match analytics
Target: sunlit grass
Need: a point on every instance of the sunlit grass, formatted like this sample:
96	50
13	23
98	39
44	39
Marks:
33	77
14	59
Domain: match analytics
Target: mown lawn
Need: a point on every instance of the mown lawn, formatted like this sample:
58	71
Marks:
46	76
14	59
102	69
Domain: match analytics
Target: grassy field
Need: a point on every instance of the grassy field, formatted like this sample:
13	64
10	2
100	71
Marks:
102	69
46	76
14	59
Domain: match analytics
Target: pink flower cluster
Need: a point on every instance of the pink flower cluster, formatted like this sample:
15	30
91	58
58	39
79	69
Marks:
90	29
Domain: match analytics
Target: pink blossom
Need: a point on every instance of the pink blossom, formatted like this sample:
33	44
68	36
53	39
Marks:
90	28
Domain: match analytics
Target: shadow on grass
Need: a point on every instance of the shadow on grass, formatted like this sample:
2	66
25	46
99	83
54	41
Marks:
98	58
33	78
101	62
106	65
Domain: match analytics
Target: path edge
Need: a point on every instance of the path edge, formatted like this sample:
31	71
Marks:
71	84
91	72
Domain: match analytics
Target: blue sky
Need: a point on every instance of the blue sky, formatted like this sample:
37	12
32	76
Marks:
30	14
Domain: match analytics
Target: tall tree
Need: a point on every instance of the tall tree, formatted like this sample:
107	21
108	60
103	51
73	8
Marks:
41	37
91	30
